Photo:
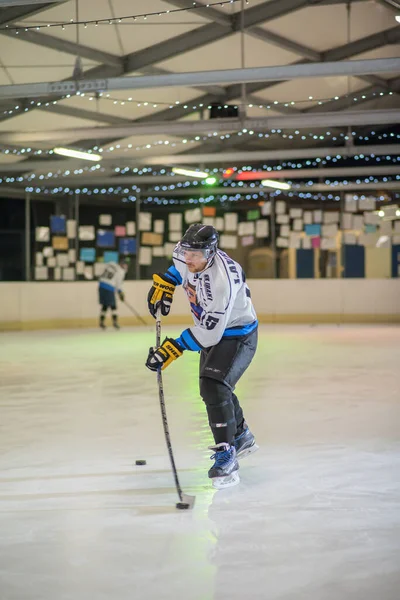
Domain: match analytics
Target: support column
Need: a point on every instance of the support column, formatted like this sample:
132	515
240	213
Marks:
27	236
77	225
137	234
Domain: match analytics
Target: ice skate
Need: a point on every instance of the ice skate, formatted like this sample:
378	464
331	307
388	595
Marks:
245	443
115	322
224	472
101	323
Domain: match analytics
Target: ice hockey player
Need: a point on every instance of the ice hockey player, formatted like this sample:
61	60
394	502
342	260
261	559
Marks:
110	282
225	334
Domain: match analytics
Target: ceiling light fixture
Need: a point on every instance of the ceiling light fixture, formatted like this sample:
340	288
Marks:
190	173
277	185
77	154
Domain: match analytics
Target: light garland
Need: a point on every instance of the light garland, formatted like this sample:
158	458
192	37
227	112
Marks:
119	189
116	20
151	104
218	172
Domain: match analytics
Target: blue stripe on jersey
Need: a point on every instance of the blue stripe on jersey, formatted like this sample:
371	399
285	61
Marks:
106	286
241	330
187	341
174	274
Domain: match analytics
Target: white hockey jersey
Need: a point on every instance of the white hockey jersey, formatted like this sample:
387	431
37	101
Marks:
219	299
112	277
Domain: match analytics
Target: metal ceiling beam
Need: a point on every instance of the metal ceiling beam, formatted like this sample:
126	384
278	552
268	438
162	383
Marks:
346	101
283	174
63	45
81	113
301	121
231	76
232	157
370	42
17	13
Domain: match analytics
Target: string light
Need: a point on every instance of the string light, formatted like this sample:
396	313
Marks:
117	20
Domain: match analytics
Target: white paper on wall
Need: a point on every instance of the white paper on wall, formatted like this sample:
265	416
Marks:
174	236
371	218
280	207
88	272
331	217
158	251
298	225
328	243
219	223
282	219
246	228
317	216
51	262
385	228
349	239
105	220
262	228
266	209
145	256
306	242
329	230
228	242
193	215
72	255
159	226
308	217
367	203
42	234
57	274
175	222
347	220
282	242
48	251
80	267
231	221
86	233
130	228
294	240
99	268
71	229
68	274
350	204
396	227
247	240
296	213
284	230
358	222
369	240
62	259
41	273
209	221
169	249
144	221
39	259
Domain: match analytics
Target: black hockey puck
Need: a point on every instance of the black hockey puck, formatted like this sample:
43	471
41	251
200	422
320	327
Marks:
140	463
182	505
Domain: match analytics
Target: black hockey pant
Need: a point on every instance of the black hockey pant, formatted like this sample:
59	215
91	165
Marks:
221	367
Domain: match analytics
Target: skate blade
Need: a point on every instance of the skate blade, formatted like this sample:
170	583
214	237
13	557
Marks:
220	483
246	451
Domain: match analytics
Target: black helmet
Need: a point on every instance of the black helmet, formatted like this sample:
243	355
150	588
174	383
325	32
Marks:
200	237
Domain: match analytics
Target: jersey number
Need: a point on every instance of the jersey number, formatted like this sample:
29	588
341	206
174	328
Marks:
211	322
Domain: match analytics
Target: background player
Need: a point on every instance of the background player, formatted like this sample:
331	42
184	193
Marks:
225	334
109	283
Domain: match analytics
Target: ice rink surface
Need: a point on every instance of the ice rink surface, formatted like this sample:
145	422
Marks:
317	513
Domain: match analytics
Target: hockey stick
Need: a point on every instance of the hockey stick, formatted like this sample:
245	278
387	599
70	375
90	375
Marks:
185	501
135	312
